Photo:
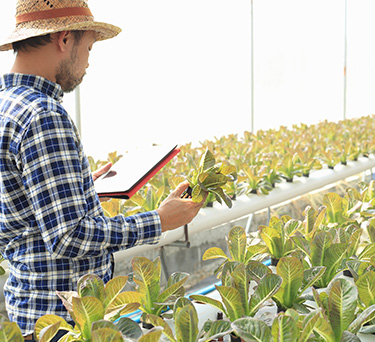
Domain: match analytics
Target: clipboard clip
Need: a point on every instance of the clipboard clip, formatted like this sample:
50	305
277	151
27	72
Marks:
185	243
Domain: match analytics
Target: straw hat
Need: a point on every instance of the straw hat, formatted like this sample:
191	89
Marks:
40	17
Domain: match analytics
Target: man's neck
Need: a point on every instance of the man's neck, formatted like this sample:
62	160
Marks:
33	63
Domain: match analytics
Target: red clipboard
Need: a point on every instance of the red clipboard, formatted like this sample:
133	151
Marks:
133	171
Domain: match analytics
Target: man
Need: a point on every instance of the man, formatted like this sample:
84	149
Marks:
52	227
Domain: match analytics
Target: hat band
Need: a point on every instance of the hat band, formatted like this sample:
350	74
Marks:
53	13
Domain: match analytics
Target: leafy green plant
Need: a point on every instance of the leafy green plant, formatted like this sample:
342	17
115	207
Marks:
323	251
93	309
306	158
148	200
329	156
271	176
185	320
289	166
239	249
313	221
339	309
9	331
237	301
255	179
277	236
338	212
296	280
147	277
207	177
287	326
2	270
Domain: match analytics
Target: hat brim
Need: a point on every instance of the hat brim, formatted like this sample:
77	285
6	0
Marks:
103	30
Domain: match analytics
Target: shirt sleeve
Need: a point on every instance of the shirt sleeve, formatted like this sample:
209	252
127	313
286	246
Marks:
56	185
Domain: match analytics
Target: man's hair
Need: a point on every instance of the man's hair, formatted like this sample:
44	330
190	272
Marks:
34	42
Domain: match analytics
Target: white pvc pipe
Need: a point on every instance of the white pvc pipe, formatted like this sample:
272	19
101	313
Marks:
209	218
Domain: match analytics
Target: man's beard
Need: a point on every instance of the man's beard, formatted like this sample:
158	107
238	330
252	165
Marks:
65	75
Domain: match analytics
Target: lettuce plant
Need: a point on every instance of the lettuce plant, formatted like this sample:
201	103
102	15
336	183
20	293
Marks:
235	294
289	166
147	277
9	331
2	270
277	236
238	248
340	314
296	280
207	177
93	308
287	326
323	251
185	320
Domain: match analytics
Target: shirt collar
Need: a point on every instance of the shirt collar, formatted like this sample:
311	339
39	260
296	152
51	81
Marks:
37	82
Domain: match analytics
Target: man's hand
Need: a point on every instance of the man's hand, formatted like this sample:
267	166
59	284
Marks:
96	174
175	212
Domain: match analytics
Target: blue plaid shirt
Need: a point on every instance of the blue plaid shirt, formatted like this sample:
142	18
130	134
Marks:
52	227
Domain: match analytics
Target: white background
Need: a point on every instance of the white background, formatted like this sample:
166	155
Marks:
181	70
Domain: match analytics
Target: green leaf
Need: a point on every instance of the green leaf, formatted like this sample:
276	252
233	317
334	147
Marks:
122	300
365	316
214	253
342	303
322	240
291	271
324	329
129	328
175	282
198	194
311	275
308	325
231	298
241	282
333	261
10	332
87	310
274	241
266	288
106	335
104	324
49	320
252	330
227	270
113	289
257	270
216	330
284	328
207	300
333	203
158	321
371	229
186	323
367	252
146	275
366	288
349	337
207	161
237	243
91	285
152	336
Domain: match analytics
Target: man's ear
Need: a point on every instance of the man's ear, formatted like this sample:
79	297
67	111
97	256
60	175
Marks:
64	39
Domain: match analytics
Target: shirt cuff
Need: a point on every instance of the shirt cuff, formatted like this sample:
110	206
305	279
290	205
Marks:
149	227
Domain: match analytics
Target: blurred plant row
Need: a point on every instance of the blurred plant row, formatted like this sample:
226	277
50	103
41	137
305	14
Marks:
261	159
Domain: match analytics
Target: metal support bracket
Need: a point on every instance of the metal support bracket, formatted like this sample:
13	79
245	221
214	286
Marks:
185	243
